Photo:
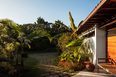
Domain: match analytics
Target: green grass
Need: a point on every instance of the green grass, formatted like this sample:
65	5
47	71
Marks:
31	67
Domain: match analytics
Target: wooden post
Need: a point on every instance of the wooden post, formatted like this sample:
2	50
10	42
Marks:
97	64
98	69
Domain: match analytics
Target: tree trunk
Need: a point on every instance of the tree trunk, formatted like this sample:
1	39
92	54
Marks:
22	58
16	57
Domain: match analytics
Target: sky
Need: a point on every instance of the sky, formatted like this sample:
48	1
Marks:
27	11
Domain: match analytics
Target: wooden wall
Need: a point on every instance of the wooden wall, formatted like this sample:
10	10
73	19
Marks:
111	45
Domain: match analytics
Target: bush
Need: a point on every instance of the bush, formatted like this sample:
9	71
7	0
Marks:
70	65
6	69
63	40
72	55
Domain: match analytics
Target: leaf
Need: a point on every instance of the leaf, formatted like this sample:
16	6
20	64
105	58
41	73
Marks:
71	43
29	46
72	22
63	26
17	43
75	53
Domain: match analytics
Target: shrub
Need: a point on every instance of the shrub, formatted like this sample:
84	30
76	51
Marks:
6	67
70	65
63	40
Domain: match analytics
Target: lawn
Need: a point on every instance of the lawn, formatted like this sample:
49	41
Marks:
33	63
31	67
43	65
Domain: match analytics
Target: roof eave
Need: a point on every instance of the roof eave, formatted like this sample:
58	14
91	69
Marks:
102	2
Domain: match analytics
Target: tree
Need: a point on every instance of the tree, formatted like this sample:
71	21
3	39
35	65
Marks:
72	25
23	42
8	44
11	38
8	36
40	20
57	28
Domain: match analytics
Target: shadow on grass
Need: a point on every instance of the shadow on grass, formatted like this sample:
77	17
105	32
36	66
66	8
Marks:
44	65
31	68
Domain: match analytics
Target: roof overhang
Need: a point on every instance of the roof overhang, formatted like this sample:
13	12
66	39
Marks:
102	14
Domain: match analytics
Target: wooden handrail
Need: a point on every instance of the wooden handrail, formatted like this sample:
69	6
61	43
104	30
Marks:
104	59
109	67
111	60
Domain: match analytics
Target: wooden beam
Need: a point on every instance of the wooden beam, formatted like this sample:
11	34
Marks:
108	24
111	29
113	0
93	12
103	13
108	8
98	18
91	21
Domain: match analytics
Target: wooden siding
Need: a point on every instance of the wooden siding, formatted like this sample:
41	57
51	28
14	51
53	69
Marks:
111	47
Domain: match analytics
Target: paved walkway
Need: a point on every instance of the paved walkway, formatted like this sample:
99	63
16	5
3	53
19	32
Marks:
55	71
85	73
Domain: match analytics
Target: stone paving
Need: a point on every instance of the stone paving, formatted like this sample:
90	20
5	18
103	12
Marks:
55	71
47	67
86	73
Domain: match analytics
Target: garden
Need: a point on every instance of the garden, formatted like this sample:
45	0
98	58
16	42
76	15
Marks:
20	46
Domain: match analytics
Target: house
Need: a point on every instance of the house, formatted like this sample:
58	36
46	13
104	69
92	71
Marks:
100	29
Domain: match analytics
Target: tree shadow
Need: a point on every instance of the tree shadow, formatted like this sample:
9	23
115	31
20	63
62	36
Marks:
33	67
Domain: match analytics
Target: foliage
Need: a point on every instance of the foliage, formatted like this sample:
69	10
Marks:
72	22
40	30
23	39
72	25
73	59
63	26
63	40
66	42
7	69
28	28
56	28
8	34
81	51
72	56
40	44
75	51
37	34
40	20
11	39
75	42
73	66
8	45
